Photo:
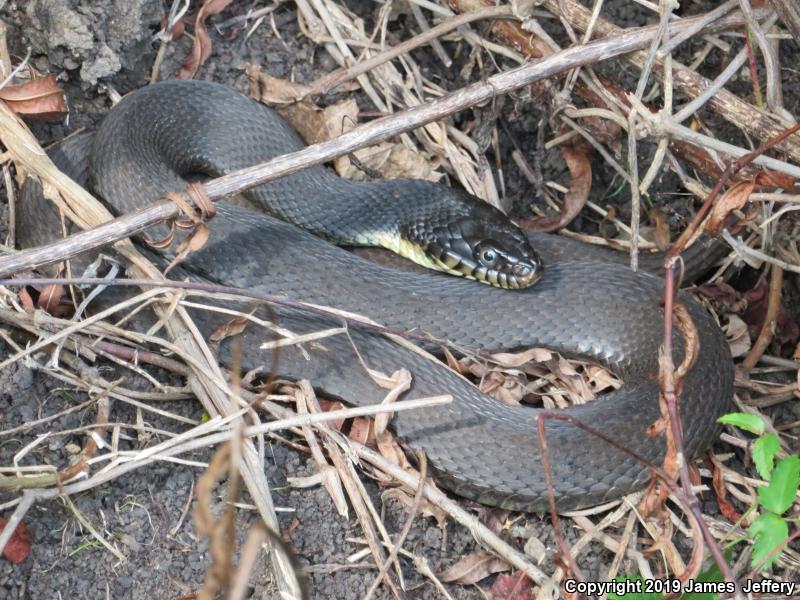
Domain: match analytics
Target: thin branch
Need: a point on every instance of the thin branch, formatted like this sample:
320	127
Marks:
332	80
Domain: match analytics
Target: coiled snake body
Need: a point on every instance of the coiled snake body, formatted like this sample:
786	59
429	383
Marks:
479	448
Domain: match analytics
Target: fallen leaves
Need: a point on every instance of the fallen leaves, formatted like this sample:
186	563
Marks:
746	314
39	99
538	376
315	125
51	299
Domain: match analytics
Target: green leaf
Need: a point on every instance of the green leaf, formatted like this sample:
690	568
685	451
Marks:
752	423
769	531
779	494
764	451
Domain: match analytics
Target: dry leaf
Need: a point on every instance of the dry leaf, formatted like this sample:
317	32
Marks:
362	431
602	379
331	405
391	451
517	359
26	301
316	124
228	329
201	48
577	157
40	99
503	386
717	478
660	228
271	90
733	199
738	336
536	549
191	243
472	568
774	179
787	330
452	361
391	161
52	300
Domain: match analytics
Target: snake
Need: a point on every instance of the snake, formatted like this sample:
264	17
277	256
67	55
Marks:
584	306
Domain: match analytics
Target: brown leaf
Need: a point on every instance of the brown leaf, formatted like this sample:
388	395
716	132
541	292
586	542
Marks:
516	586
26	301
601	379
733	199
191	243
773	179
19	546
273	91
362	431
390	161
40	99
390	449
228	329
315	124
661	228
725	507
201	48
517	359
474	567
178	29
738	336
286	534
503	386
331	405
52	301
577	157
452	361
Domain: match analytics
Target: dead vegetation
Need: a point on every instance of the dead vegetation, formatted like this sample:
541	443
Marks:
658	533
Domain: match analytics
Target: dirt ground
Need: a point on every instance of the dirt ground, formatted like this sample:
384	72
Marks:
103	46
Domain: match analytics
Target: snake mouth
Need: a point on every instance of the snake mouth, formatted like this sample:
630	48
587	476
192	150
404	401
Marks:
511	274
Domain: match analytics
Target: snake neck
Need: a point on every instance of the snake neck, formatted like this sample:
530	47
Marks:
399	215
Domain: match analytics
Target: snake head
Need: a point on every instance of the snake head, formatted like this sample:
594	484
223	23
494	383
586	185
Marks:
486	246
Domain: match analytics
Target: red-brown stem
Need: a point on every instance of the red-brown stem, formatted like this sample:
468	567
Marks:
551	498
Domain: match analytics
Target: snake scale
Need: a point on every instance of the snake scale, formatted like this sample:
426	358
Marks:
479	448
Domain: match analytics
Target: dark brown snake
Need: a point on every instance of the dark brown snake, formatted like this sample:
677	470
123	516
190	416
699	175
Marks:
479	448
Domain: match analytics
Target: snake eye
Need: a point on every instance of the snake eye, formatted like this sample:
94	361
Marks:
488	256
